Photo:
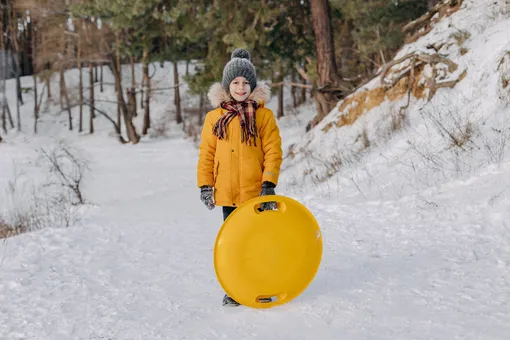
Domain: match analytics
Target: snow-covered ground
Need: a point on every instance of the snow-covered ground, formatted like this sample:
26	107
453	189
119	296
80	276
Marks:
430	261
139	264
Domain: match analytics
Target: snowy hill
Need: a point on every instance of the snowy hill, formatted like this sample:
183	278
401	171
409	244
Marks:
388	139
413	208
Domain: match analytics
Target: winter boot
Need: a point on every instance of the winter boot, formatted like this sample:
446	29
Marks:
228	301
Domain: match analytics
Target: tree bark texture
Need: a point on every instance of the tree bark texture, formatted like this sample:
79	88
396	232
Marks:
326	65
92	104
177	96
132	97
147	80
280	102
80	81
118	67
128	118
326	94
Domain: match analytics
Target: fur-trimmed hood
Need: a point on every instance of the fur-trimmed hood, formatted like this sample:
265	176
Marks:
261	94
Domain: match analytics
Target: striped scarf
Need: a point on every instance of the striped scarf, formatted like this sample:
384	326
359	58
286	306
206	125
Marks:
246	112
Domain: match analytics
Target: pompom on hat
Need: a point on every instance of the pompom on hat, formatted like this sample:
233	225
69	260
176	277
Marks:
239	66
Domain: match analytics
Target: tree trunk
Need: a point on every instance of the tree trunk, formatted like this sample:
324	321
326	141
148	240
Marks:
61	89
19	99
28	47
177	97
16	62
35	70
132	94
293	90
4	119
128	119
115	126
36	108
326	95
201	110
91	47
48	85
47	66
101	78
303	93
118	67
80	81
6	112
92	102
9	116
65	95
147	81
3	74
62	80
280	102
142	93
326	65
303	89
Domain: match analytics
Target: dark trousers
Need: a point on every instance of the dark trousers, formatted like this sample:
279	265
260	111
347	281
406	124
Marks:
227	211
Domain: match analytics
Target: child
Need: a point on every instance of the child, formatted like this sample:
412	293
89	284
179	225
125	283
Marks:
240	150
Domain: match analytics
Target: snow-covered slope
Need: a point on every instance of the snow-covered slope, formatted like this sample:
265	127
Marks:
415	230
376	149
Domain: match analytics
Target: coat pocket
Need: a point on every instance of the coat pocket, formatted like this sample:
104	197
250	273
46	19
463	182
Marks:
215	172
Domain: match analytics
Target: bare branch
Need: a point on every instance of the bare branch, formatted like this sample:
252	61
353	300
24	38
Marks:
302	73
305	86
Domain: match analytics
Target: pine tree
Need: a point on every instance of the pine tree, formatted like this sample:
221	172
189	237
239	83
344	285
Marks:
232	24
371	31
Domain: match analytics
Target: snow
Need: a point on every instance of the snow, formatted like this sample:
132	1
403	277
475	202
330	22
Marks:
413	248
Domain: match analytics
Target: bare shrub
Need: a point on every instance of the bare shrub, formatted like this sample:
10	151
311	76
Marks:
4	228
364	138
395	121
398	120
496	142
504	76
54	202
321	168
461	36
18	214
497	10
193	131
160	128
8	229
457	129
68	169
465	144
29	207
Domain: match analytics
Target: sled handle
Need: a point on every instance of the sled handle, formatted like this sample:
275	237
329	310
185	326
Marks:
267	299
280	205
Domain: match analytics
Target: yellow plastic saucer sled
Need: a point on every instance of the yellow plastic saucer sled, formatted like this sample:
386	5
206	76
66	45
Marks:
265	259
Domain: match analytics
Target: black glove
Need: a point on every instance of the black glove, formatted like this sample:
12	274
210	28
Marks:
206	195
267	189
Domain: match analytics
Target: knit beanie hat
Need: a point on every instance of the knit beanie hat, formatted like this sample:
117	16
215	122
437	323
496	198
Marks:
239	66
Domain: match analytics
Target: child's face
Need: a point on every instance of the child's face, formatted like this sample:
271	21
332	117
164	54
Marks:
240	89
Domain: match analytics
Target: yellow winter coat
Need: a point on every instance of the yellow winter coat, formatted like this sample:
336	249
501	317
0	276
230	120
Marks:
234	169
